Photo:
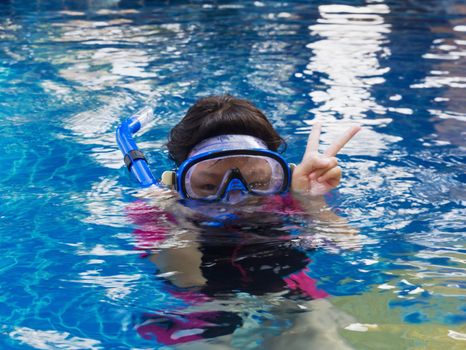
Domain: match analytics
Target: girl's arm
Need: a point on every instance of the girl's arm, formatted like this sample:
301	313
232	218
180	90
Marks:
317	174
181	264
323	216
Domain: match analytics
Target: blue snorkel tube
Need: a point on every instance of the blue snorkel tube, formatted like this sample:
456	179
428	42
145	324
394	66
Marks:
134	159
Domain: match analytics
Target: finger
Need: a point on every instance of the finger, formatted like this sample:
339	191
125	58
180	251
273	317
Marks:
313	140
310	164
332	175
336	146
322	165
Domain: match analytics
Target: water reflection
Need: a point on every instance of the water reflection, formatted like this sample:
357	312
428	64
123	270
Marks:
344	67
447	77
69	75
111	57
346	58
46	339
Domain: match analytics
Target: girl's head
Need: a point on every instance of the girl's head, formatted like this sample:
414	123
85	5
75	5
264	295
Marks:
220	115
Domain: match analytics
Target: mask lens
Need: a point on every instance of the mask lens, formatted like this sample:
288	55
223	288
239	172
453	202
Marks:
208	179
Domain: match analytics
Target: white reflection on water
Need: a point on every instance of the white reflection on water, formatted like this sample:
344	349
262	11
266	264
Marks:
105	204
271	65
334	128
268	59
113	55
346	63
97	127
456	335
40	339
116	286
448	78
353	39
449	54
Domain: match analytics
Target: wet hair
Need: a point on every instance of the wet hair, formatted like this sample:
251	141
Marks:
219	115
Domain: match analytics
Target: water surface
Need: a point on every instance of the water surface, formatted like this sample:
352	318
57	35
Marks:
80	247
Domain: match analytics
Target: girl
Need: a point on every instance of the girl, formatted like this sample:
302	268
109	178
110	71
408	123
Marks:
214	125
226	153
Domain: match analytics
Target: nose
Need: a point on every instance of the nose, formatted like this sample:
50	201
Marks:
235	196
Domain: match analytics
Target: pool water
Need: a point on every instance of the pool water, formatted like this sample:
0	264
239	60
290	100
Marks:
91	262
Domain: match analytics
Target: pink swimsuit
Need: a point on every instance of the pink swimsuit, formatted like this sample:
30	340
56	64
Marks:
285	269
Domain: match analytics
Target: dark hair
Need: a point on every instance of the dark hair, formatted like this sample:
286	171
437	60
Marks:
220	115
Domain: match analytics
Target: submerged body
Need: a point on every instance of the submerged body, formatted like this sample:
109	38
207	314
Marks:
264	252
235	188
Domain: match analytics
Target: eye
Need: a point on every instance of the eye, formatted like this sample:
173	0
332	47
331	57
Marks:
208	187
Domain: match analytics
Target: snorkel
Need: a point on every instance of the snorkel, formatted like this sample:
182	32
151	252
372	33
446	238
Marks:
134	159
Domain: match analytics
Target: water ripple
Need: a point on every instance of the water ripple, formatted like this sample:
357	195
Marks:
89	258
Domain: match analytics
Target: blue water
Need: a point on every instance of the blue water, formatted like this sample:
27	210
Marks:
73	274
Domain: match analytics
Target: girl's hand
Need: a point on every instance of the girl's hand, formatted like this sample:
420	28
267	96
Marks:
318	173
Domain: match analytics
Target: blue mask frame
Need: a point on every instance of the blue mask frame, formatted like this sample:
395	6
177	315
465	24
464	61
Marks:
235	182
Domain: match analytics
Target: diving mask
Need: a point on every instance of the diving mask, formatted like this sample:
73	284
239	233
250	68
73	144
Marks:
230	166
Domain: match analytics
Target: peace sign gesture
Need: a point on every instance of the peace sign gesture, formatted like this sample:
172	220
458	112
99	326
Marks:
319	173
